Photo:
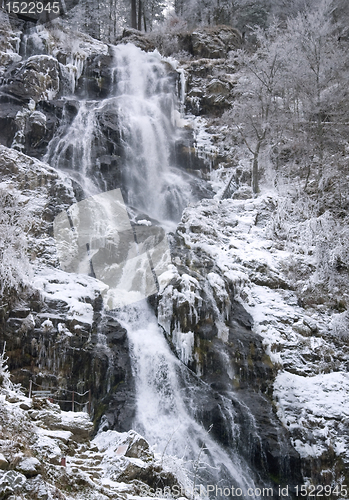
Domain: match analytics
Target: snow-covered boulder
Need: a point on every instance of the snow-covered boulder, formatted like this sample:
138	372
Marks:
78	423
3	462
11	482
29	466
129	444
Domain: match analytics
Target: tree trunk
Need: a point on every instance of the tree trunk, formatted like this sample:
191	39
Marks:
255	169
178	5
140	15
133	14
320	128
320	133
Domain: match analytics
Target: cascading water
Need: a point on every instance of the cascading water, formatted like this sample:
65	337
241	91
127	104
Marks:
72	149
143	100
146	106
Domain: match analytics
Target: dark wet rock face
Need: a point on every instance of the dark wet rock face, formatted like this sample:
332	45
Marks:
96	80
210	86
41	348
37	78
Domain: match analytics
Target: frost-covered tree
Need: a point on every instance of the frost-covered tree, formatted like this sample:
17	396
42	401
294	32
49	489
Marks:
316	72
208	12
153	13
241	14
102	19
256	111
15	268
105	19
291	93
285	9
5	381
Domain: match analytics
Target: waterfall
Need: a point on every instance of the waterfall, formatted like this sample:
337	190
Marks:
72	149
141	110
146	105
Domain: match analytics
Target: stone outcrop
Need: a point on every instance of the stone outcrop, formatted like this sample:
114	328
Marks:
37	78
215	42
3	462
210	86
138	39
81	360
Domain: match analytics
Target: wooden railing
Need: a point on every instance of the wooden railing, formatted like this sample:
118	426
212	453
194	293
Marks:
51	392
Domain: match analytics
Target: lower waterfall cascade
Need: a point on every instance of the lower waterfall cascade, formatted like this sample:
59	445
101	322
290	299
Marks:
162	416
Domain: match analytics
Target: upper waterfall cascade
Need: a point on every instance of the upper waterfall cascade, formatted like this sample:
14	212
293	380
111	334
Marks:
146	105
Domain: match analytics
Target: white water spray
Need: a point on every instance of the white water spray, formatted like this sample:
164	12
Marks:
146	106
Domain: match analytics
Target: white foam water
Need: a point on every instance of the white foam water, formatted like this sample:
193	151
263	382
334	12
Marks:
146	104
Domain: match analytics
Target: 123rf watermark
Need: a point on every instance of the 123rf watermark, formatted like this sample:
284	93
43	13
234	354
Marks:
39	10
216	491
208	491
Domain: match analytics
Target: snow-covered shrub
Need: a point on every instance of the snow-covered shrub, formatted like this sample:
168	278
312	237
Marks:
5	381
293	210
332	245
324	239
340	325
166	35
15	268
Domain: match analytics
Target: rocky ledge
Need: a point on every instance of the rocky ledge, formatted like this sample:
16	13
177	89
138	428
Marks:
47	453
